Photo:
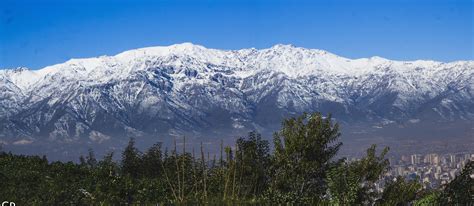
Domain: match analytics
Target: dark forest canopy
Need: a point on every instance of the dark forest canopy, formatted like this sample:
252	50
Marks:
302	169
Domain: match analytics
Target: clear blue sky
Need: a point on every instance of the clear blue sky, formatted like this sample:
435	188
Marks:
40	33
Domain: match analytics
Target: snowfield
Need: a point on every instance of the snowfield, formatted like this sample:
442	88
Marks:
193	90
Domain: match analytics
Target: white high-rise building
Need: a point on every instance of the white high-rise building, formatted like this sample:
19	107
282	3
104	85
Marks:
415	159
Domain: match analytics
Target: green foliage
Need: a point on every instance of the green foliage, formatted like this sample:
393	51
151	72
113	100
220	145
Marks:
344	184
460	191
304	149
252	163
131	160
152	162
431	198
353	183
303	169
399	192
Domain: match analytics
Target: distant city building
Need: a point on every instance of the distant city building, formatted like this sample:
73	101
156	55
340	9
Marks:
432	169
415	159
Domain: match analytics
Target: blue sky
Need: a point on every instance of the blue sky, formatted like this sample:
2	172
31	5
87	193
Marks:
40	33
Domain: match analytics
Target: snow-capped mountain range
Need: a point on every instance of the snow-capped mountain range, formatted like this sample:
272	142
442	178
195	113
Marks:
187	89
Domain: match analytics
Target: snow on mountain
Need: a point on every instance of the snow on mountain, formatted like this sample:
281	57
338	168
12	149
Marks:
190	89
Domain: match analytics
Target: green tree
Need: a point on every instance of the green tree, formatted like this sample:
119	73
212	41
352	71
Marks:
153	161
431	198
107	184
399	192
252	162
131	160
344	184
460	191
304	149
353	183
24	178
371	168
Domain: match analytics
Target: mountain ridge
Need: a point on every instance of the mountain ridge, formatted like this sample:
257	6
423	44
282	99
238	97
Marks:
186	48
187	89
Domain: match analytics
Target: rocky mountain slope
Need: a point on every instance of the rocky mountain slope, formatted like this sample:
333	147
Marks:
185	89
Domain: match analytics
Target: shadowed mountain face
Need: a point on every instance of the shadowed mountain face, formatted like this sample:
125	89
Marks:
206	94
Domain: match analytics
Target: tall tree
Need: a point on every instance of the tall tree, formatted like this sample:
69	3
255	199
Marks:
304	150
460	191
131	160
399	192
253	161
152	161
353	183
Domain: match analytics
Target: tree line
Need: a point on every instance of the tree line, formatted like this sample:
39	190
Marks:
301	169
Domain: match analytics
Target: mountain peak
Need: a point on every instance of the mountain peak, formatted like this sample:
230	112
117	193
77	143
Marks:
187	89
283	46
187	45
20	69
